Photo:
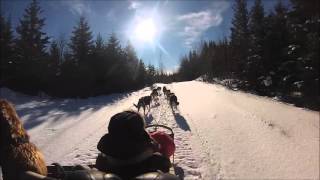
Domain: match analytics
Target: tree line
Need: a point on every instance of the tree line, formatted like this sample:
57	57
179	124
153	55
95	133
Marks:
82	66
274	54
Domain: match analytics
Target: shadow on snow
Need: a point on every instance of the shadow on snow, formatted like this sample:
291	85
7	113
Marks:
35	111
182	122
148	119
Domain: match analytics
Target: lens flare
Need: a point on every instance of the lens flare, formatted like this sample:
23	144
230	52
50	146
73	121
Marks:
145	30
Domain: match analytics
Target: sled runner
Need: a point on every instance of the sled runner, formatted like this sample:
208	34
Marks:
89	172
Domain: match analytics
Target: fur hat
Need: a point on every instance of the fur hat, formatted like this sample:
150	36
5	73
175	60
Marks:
126	137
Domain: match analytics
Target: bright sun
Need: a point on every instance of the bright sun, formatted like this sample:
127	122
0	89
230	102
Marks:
145	31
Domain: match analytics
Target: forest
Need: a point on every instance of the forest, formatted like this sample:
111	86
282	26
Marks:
272	54
80	66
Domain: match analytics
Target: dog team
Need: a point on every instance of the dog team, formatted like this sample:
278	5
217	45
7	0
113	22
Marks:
145	101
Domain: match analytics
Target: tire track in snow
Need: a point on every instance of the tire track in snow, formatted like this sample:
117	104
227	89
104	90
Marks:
184	157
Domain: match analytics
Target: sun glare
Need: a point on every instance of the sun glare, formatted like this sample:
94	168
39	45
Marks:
145	31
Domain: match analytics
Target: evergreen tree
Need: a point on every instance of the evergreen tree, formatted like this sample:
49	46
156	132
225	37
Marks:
276	43
256	25
53	69
132	61
32	41
81	41
240	35
62	45
100	65
151	73
113	45
31	61
304	26
117	74
54	54
114	56
204	56
7	50
141	74
99	44
305	10
130	53
256	29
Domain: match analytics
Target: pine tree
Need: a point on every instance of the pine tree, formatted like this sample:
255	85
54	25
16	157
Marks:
304	18
62	45
99	64
256	29
53	68
114	55
54	54
151	73
32	41
132	61
205	62
7	50
142	73
99	44
81	41
119	77
130	53
113	45
276	43
305	9
240	35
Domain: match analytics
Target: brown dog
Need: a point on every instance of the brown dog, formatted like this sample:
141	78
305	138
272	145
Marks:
17	153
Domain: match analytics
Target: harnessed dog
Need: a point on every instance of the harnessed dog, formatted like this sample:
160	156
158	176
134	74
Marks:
143	102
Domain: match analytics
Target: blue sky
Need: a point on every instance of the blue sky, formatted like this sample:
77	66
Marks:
179	25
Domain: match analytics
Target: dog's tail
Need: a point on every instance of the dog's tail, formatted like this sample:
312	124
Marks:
135	105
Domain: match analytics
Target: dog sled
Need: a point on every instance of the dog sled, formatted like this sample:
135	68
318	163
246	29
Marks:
89	172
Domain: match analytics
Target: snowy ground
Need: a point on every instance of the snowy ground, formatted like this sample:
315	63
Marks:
220	134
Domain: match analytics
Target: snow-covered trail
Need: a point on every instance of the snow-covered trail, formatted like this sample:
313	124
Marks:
220	134
244	136
186	163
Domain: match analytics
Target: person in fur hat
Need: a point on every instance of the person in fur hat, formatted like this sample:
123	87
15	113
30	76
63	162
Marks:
128	150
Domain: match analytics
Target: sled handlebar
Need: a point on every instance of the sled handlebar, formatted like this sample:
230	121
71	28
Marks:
163	126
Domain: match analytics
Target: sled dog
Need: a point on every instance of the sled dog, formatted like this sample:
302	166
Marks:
154	94
143	102
173	100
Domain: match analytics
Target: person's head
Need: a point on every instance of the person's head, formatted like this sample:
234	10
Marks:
128	125
126	136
